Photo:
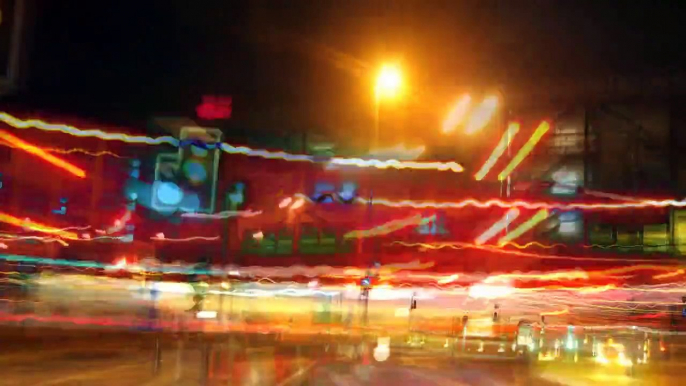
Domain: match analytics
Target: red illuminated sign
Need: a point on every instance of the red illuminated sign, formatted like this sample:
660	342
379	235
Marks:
215	107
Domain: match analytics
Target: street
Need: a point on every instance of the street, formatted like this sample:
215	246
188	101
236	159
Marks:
43	357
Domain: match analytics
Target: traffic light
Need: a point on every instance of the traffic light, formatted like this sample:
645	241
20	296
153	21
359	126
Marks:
167	195
198	165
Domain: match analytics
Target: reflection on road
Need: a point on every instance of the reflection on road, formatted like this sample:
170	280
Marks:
86	330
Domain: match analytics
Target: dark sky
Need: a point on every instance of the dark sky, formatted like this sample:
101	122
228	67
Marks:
307	65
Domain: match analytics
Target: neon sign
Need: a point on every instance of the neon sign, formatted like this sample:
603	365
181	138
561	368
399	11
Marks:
215	107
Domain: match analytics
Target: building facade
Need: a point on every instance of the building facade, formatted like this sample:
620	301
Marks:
244	206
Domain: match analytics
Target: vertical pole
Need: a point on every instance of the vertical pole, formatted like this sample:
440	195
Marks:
97	184
221	304
205	364
157	362
179	359
227	234
587	171
365	310
377	113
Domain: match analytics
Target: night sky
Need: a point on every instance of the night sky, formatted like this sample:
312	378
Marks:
307	65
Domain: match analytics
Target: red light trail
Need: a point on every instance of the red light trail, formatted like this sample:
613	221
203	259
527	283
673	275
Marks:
47	157
9	219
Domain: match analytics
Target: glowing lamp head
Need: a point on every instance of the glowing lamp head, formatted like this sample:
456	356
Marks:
388	82
168	193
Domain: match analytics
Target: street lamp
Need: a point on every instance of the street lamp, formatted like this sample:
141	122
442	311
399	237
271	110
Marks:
388	85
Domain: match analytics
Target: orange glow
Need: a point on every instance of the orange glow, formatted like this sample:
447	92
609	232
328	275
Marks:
8	219
457	115
505	140
285	202
448	279
297	204
31	149
481	116
525	150
487	291
388	82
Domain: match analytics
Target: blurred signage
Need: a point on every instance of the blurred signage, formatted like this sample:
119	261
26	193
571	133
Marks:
434	227
326	192
215	107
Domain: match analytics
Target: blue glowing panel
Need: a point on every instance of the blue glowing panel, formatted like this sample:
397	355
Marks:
324	192
63	207
348	192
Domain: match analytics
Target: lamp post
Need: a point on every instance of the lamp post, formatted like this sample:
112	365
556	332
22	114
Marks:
388	85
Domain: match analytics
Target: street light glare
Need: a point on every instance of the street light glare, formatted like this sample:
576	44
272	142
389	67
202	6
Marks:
389	81
482	115
457	115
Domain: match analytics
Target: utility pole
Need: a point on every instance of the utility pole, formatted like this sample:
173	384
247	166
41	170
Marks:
413	306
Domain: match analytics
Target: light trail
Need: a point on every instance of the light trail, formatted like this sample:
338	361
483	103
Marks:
395	164
42	154
496	203
555	313
195	238
390	227
225	147
66	129
9	219
498	226
678	272
496	249
71	151
457	115
525	150
505	140
13	238
529	224
224	215
481	116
